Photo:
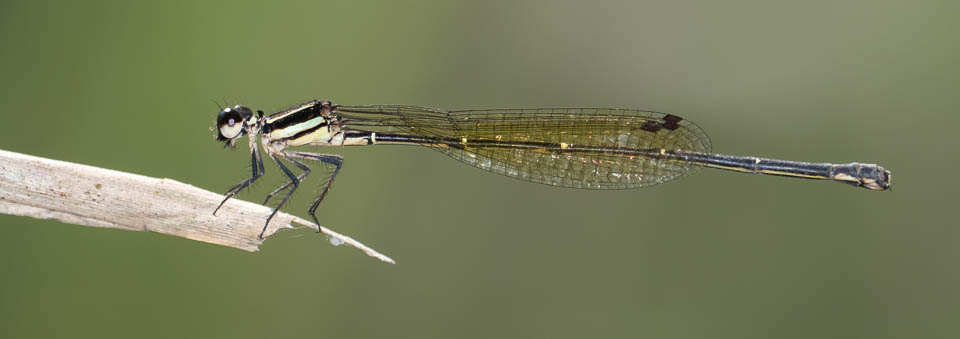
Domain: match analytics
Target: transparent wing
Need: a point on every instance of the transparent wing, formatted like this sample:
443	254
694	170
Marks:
610	129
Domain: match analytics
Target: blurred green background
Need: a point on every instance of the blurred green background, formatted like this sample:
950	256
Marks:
131	86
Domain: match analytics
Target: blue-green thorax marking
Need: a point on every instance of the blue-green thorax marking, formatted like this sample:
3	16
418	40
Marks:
294	122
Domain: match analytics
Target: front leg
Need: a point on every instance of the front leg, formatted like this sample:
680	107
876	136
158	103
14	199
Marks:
256	165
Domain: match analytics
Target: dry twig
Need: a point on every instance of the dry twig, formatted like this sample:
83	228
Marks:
90	196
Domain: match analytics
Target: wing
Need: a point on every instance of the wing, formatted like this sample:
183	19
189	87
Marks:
611	130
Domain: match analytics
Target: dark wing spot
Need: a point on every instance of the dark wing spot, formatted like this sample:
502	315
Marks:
672	118
651	126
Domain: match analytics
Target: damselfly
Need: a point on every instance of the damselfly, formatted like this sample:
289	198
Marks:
591	148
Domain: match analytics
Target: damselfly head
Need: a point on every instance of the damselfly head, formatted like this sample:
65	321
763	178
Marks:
231	122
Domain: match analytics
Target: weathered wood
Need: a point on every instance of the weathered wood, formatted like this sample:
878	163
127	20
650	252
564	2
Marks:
91	196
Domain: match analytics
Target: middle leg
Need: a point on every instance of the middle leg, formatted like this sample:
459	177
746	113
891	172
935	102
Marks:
294	180
331	159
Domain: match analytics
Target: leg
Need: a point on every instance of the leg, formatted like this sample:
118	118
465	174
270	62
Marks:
306	172
293	180
257	165
331	159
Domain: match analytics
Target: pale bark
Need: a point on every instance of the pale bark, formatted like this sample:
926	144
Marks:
91	196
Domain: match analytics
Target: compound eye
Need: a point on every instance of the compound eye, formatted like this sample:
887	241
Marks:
229	124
